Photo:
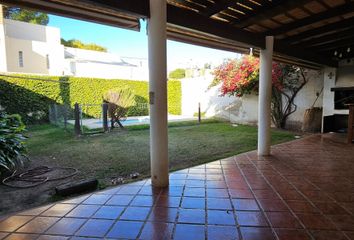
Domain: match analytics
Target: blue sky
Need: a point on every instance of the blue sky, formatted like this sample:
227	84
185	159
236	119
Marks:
131	43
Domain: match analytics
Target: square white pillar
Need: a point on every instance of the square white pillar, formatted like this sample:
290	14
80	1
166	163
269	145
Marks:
265	97
158	93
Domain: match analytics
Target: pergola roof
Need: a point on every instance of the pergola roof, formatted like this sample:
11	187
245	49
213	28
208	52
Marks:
307	32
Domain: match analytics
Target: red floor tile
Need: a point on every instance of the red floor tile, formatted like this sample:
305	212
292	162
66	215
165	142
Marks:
58	210
109	212
222	232
97	199
14	222
328	235
241	193
194	192
66	226
310	189
217	193
163	214
3	235
192	202
265	194
330	208
173	191
168	201
302	206
135	213
272	205
219	203
315	221
221	217
245	204
120	200
95	228
125	229
52	237
83	211
38	225
253	218
143	201
188	231
292	234
255	233
196	216
343	222
21	236
283	220
129	190
156	231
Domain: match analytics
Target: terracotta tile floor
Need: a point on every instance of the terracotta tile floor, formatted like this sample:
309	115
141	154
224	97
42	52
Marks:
305	190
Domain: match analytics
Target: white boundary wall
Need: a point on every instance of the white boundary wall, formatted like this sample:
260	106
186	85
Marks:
242	110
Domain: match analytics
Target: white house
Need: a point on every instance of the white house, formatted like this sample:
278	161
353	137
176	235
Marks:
30	48
36	49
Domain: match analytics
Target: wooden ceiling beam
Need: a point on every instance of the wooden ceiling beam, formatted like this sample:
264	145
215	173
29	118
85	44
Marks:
333	12
335	45
217	7
300	53
344	24
267	12
327	38
191	5
223	5
183	18
104	14
140	7
188	19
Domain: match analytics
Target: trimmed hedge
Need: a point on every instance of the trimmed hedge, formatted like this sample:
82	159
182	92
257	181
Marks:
31	98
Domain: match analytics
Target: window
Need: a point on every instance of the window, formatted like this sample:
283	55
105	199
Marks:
48	63
20	59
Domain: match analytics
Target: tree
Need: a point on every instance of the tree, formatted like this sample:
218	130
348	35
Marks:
74	43
178	73
119	101
24	15
239	77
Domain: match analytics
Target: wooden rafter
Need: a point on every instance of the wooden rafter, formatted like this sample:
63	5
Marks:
334	45
269	11
328	38
188	19
344	24
123	15
333	12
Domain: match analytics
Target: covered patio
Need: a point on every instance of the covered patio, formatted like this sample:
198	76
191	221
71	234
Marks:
298	190
292	194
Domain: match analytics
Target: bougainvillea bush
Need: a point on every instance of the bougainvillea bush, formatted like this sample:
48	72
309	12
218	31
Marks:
241	76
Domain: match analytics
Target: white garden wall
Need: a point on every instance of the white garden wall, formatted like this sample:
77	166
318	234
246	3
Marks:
242	110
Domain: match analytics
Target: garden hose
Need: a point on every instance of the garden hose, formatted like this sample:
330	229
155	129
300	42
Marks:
36	176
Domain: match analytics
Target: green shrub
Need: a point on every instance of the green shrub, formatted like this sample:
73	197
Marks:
31	98
12	148
178	73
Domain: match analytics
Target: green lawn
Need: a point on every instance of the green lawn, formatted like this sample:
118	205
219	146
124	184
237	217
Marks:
123	152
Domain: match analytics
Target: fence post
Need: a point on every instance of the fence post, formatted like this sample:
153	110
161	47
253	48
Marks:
55	106
199	114
77	119
65	108
105	117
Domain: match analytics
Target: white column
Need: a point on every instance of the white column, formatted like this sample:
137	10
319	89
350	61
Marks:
3	56
158	93
265	97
